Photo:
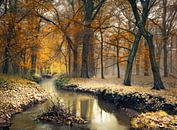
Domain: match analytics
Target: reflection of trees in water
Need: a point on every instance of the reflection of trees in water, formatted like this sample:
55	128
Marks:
94	110
120	114
85	108
81	105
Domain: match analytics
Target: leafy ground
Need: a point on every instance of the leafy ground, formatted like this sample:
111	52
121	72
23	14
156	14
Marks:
158	119
17	94
140	84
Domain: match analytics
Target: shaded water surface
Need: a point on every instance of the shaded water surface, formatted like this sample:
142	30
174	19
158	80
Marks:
101	115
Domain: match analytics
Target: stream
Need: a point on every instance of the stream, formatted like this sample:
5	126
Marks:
100	115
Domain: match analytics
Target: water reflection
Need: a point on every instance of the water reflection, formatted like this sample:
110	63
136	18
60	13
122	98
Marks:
84	106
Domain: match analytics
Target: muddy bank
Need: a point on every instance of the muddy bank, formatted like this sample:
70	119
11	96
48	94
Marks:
137	101
16	96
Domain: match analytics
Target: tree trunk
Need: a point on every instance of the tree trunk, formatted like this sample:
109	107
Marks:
33	60
171	55
102	66
141	22
69	61
89	8
164	36
9	37
158	84
159	52
138	64
91	60
85	49
15	68
128	73
75	62
146	60
118	63
6	61
165	60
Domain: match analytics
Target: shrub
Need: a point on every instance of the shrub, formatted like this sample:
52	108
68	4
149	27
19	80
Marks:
2	81
37	78
61	81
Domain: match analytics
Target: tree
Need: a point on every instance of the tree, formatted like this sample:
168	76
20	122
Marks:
166	25
141	22
91	10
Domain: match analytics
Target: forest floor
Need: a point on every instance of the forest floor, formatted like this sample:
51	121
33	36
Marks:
140	84
16	95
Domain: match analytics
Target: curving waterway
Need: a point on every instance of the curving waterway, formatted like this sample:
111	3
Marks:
100	115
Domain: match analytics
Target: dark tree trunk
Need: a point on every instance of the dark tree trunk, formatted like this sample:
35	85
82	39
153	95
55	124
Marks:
141	22
33	60
75	62
102	66
89	5
86	39
91	11
158	84
118	62
15	68
6	61
128	73
69	61
9	37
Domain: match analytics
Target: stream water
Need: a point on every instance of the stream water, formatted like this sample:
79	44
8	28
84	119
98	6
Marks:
101	115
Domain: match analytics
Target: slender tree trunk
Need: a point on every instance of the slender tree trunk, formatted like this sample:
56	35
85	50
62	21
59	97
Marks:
159	52
165	60
75	62
146	60
6	61
138	64
113	67
158	84
118	62
102	66
171	56
131	57
164	36
69	61
33	60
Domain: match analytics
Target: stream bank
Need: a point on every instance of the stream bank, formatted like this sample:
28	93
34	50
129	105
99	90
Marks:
17	95
90	108
141	102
